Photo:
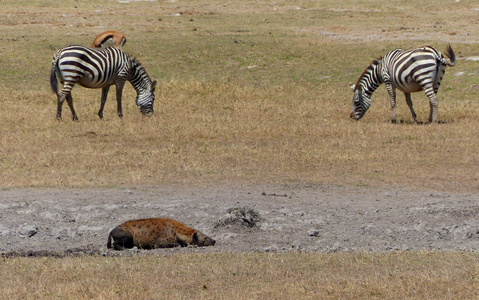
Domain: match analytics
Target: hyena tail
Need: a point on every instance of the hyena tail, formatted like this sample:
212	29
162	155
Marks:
108	244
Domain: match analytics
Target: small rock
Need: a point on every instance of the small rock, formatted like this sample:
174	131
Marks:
27	230
239	215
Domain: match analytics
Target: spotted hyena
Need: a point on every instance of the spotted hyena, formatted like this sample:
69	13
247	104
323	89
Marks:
155	233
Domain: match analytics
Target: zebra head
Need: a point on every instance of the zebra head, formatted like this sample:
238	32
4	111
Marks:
361	102
145	99
367	83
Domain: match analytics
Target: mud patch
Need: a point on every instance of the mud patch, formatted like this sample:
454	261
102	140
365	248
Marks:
314	218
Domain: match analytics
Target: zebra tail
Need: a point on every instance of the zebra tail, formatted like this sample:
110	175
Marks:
53	73
54	79
450	54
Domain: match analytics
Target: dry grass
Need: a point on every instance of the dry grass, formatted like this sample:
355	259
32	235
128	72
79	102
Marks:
422	275
249	92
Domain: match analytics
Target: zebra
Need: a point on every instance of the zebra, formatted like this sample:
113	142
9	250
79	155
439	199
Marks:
100	68
407	70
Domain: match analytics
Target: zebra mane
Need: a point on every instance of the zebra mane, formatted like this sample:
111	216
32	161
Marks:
134	60
136	63
372	64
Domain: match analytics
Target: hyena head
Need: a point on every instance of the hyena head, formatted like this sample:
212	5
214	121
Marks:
202	239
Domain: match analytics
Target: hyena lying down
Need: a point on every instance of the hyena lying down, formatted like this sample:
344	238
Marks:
155	233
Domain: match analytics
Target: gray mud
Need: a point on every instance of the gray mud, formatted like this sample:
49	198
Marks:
262	218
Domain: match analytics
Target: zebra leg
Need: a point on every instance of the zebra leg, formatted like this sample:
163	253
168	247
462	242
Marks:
433	104
119	91
433	110
65	93
409	103
70	104
104	94
392	98
60	100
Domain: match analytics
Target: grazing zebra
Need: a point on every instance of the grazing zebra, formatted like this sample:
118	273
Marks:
100	68
409	71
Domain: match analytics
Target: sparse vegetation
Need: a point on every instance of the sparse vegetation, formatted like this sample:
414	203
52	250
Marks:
249	91
245	276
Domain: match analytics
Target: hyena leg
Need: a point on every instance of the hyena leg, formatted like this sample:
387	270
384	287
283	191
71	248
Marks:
104	94
181	242
167	243
409	103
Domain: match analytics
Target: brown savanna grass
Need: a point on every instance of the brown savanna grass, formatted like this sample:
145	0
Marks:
421	275
249	92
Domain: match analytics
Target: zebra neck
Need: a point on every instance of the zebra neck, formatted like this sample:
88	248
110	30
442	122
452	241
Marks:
371	78
139	78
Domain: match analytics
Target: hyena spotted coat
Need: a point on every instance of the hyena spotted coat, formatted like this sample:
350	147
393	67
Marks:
155	233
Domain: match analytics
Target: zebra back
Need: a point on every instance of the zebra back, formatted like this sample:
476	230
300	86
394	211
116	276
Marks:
91	67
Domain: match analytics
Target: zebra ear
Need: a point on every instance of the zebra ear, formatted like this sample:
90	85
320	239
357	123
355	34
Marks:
153	85
352	86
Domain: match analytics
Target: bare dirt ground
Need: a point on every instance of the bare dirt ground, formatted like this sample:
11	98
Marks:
313	218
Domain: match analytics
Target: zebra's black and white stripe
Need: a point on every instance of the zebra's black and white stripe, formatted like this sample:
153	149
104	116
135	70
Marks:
100	68
407	70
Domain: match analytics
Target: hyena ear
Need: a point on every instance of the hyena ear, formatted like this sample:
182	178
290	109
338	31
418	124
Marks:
195	238
153	85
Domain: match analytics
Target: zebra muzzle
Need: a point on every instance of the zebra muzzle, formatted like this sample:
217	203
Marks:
147	111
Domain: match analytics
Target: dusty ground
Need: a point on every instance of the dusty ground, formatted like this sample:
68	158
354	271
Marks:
305	218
